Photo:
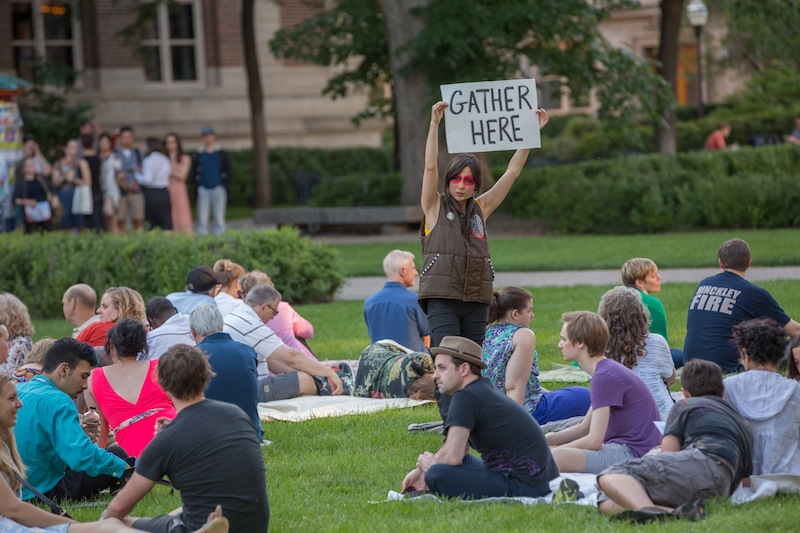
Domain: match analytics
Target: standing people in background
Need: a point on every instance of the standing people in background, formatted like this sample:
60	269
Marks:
92	158
89	129
180	164
455	284
69	172
229	296
14	315
512	362
127	163
154	180
794	137
79	303
30	190
394	312
213	173
30	149
716	139
109	185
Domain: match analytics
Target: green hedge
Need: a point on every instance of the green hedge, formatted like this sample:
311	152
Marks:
39	268
751	188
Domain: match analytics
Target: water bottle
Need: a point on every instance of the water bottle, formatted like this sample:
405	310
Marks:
91	423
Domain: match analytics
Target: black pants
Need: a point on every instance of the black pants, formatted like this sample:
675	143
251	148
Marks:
158	208
454	317
80	485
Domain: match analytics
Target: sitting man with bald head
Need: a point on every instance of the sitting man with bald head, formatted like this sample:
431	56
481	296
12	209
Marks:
79	303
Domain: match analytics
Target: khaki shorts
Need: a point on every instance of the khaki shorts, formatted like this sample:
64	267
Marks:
132	203
673	478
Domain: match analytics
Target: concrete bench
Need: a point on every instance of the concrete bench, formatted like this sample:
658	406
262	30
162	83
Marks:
388	219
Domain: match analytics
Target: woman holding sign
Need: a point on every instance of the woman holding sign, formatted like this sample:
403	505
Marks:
455	287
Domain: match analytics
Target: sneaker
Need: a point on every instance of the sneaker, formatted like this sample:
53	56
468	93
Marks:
433	427
568	491
345	372
643	515
691	511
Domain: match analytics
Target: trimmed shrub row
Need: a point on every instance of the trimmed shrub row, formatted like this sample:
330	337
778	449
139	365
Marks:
750	188
39	268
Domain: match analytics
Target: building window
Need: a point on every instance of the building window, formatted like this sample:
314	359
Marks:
171	44
45	30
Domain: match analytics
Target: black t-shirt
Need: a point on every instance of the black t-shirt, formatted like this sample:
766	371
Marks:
212	456
508	438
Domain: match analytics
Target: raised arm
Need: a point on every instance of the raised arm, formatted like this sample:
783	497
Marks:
491	199
430	176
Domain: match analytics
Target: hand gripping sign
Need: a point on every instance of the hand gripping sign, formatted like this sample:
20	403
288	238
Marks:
488	116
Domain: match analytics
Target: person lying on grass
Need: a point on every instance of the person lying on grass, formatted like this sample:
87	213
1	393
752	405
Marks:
515	459
619	425
705	453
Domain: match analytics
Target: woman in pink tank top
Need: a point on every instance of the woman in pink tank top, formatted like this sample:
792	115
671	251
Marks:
125	393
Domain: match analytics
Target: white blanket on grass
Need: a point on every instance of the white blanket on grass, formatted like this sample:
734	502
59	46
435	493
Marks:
308	407
761	487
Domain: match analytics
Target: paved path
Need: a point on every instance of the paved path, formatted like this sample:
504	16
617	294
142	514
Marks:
360	288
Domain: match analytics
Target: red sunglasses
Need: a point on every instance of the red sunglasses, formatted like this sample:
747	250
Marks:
468	181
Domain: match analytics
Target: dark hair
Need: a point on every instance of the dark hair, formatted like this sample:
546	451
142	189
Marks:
70	351
475	369
128	337
627	321
507	299
184	372
107	135
160	308
701	377
587	328
792	370
123	129
87	140
177	142
763	339
154	145
734	254
457	164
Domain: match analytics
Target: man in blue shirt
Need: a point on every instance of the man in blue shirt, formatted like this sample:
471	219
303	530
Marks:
202	285
63	463
213	173
394	312
234	364
722	301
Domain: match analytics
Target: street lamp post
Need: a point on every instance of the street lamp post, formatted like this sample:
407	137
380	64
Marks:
698	16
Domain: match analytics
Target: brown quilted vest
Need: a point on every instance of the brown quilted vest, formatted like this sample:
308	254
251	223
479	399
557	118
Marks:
455	256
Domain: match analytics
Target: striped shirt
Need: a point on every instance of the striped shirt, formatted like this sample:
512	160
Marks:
244	325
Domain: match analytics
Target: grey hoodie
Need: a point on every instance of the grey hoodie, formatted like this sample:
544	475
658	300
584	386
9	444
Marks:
771	404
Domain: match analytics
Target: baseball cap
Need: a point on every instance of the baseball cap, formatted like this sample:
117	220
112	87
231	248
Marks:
207	130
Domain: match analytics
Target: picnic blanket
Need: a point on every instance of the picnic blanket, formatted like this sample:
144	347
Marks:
564	374
761	488
308	407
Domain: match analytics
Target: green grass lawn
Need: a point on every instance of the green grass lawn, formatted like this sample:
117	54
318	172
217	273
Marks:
583	252
323	474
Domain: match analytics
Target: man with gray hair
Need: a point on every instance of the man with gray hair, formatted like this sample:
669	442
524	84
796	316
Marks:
293	372
394	312
168	327
235	377
79	303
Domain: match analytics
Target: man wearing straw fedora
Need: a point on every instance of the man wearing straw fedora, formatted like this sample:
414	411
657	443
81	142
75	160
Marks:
515	459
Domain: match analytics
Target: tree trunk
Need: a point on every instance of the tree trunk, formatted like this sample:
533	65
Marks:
669	45
262	190
411	92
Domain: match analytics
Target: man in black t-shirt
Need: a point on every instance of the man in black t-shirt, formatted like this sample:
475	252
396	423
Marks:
515	458
209	452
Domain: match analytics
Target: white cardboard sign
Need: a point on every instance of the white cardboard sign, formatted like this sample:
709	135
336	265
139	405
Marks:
487	116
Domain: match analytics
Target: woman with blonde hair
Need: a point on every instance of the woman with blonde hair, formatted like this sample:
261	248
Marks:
22	517
14	315
116	303
287	323
632	344
229	296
